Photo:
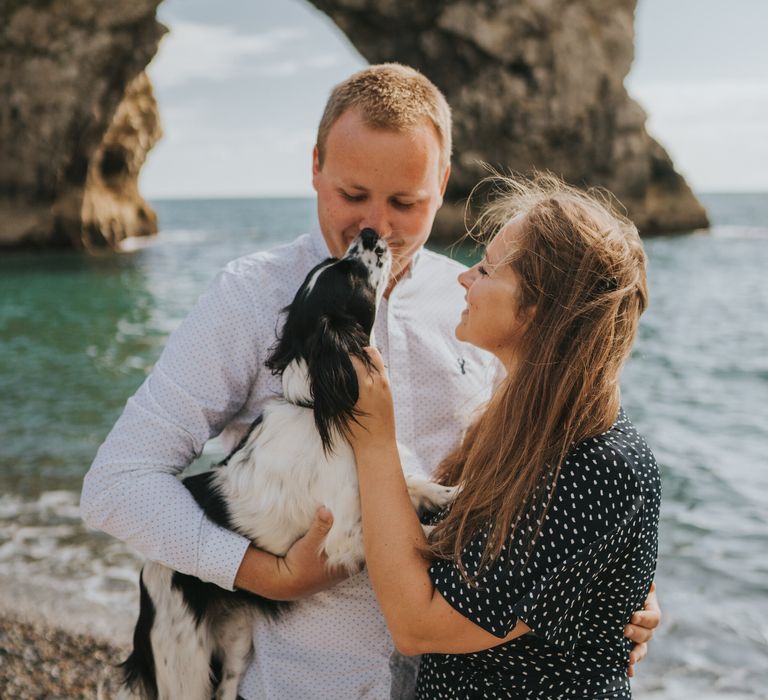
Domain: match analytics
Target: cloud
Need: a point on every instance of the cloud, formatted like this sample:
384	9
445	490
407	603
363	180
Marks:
195	160
280	69
716	131
324	60
704	98
193	52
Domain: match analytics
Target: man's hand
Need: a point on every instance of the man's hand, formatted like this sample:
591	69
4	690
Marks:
304	568
300	573
641	629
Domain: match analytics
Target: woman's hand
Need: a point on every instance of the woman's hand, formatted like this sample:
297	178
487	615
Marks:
375	424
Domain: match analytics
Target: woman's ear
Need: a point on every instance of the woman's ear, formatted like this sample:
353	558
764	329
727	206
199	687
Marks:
529	312
525	315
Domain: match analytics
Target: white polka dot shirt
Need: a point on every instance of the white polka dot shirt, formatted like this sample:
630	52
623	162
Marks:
211	380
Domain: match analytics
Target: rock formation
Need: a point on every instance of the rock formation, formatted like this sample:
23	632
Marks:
533	84
77	118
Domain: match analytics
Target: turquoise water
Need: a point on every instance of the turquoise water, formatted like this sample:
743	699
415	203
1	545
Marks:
79	334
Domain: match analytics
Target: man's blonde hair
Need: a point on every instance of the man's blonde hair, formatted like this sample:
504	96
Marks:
389	96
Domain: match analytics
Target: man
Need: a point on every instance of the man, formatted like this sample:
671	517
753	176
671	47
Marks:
382	160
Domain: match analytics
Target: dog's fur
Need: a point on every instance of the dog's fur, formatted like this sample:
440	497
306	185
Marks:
193	638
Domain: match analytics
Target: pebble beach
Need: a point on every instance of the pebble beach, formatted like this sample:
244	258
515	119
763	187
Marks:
55	646
42	662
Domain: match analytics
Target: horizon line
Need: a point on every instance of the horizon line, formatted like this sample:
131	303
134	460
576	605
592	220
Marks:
240	197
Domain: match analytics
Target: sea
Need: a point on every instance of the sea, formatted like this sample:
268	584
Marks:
79	333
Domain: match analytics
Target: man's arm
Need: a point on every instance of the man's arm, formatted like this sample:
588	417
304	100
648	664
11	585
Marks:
300	573
199	383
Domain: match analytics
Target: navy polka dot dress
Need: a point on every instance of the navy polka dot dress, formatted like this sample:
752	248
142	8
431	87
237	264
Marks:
590	568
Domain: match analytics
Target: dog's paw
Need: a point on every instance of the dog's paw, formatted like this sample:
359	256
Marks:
428	495
344	549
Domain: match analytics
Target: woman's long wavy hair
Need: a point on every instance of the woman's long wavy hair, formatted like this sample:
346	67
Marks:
581	269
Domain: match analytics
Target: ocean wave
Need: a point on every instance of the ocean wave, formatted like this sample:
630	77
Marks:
43	540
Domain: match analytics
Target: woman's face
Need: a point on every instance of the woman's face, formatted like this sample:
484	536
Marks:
493	319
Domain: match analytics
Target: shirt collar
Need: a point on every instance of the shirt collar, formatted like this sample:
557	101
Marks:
319	245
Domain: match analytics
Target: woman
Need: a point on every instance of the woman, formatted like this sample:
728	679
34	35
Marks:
551	542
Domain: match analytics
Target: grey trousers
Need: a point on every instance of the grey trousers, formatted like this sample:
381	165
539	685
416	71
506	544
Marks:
404	670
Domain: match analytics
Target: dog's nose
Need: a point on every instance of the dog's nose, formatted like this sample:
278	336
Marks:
369	237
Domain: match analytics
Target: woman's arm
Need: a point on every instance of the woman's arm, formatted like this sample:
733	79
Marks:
419	618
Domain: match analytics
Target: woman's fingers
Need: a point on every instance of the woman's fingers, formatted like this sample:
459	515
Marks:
375	355
368	375
360	369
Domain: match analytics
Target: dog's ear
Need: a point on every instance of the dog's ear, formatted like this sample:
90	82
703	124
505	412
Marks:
284	350
332	377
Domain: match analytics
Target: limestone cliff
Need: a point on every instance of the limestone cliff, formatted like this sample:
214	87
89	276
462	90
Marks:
77	118
533	84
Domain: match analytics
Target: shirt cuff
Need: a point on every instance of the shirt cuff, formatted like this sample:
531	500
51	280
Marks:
220	554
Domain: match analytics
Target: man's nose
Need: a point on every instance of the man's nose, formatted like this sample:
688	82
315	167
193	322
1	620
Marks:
376	218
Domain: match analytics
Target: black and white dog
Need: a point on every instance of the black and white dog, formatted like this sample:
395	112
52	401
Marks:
192	638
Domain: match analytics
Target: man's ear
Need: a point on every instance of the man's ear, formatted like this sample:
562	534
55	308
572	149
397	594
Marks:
315	166
444	182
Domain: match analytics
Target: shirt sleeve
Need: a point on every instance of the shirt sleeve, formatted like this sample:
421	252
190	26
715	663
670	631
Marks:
592	519
200	382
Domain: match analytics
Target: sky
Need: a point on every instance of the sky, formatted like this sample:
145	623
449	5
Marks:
241	86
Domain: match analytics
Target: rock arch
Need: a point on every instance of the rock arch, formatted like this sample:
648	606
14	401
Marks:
532	83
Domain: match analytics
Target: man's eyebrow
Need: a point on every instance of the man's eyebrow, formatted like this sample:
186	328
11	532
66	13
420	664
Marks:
418	194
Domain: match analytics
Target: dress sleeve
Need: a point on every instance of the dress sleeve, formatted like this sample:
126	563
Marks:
487	600
592	519
200	382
